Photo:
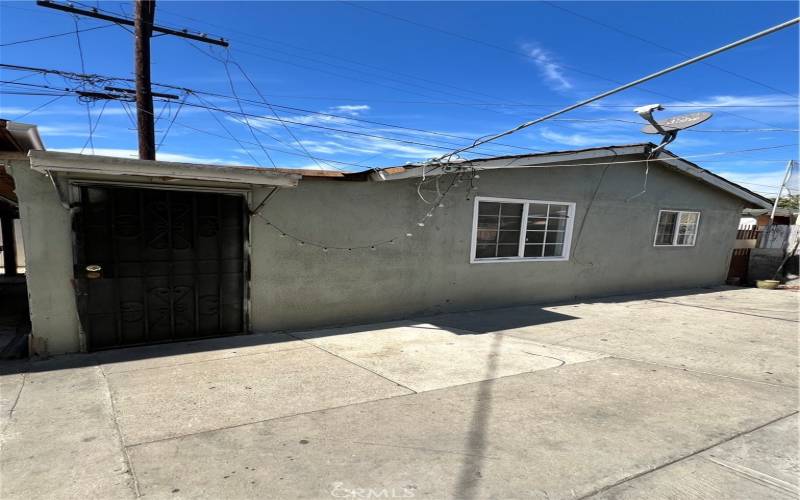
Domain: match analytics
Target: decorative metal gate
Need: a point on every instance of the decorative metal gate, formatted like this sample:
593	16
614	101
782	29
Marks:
155	265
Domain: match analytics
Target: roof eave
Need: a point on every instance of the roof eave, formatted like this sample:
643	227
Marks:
732	188
529	160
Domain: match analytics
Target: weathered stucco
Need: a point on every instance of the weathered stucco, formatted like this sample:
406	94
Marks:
296	286
47	237
299	286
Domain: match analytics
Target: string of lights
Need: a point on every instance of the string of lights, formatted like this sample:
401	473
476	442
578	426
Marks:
419	225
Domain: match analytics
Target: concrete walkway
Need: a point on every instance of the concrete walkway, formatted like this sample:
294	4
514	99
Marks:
684	395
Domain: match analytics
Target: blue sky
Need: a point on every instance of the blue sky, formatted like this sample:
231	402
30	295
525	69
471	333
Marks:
449	71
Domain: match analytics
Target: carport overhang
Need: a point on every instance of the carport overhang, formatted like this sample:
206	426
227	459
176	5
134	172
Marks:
158	172
65	169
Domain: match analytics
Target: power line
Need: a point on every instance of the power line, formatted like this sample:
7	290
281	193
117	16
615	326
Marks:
704	155
285	121
56	35
424	131
83	70
619	120
51	101
361	5
670	157
634	83
108	16
267	104
663	47
336	57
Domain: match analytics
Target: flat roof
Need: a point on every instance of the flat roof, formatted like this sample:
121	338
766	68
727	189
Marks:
106	166
557	159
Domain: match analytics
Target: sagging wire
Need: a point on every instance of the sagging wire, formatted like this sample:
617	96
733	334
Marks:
94	128
76	20
226	65
275	114
226	62
172	121
51	101
223	127
668	137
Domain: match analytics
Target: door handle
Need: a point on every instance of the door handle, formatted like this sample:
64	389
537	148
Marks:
93	271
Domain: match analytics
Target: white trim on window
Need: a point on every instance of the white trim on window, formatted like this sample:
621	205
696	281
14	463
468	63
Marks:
523	231
676	234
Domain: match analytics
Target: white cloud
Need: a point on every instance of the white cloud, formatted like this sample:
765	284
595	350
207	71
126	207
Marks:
352	109
552	71
766	183
739	101
584	140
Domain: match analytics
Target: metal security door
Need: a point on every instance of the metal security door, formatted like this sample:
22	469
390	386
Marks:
155	265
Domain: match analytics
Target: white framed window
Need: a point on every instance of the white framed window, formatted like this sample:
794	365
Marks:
676	228
509	230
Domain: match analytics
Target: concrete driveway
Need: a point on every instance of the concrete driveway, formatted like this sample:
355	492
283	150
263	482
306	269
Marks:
692	394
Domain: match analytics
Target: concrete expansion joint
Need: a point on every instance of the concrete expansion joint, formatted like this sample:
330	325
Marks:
685	457
123	448
311	412
353	363
660	301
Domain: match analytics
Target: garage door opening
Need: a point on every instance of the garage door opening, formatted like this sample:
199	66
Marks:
156	265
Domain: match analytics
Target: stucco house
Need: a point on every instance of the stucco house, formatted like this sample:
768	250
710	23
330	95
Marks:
124	252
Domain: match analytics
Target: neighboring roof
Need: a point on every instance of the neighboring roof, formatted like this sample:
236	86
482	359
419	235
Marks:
779	212
557	159
51	161
19	137
15	138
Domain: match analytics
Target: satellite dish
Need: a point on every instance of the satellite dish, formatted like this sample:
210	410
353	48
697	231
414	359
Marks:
679	122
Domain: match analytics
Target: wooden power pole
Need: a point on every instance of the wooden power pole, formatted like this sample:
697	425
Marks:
144	27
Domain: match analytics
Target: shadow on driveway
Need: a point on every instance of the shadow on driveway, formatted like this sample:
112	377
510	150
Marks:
460	323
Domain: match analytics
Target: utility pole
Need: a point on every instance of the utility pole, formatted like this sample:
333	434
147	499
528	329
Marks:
144	27
786	175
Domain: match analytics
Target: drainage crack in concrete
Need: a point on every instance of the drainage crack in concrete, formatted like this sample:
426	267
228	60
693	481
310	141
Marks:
682	458
14	404
125	456
683	368
560	361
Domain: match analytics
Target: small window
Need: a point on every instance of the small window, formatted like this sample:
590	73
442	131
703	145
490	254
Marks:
507	229
676	228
